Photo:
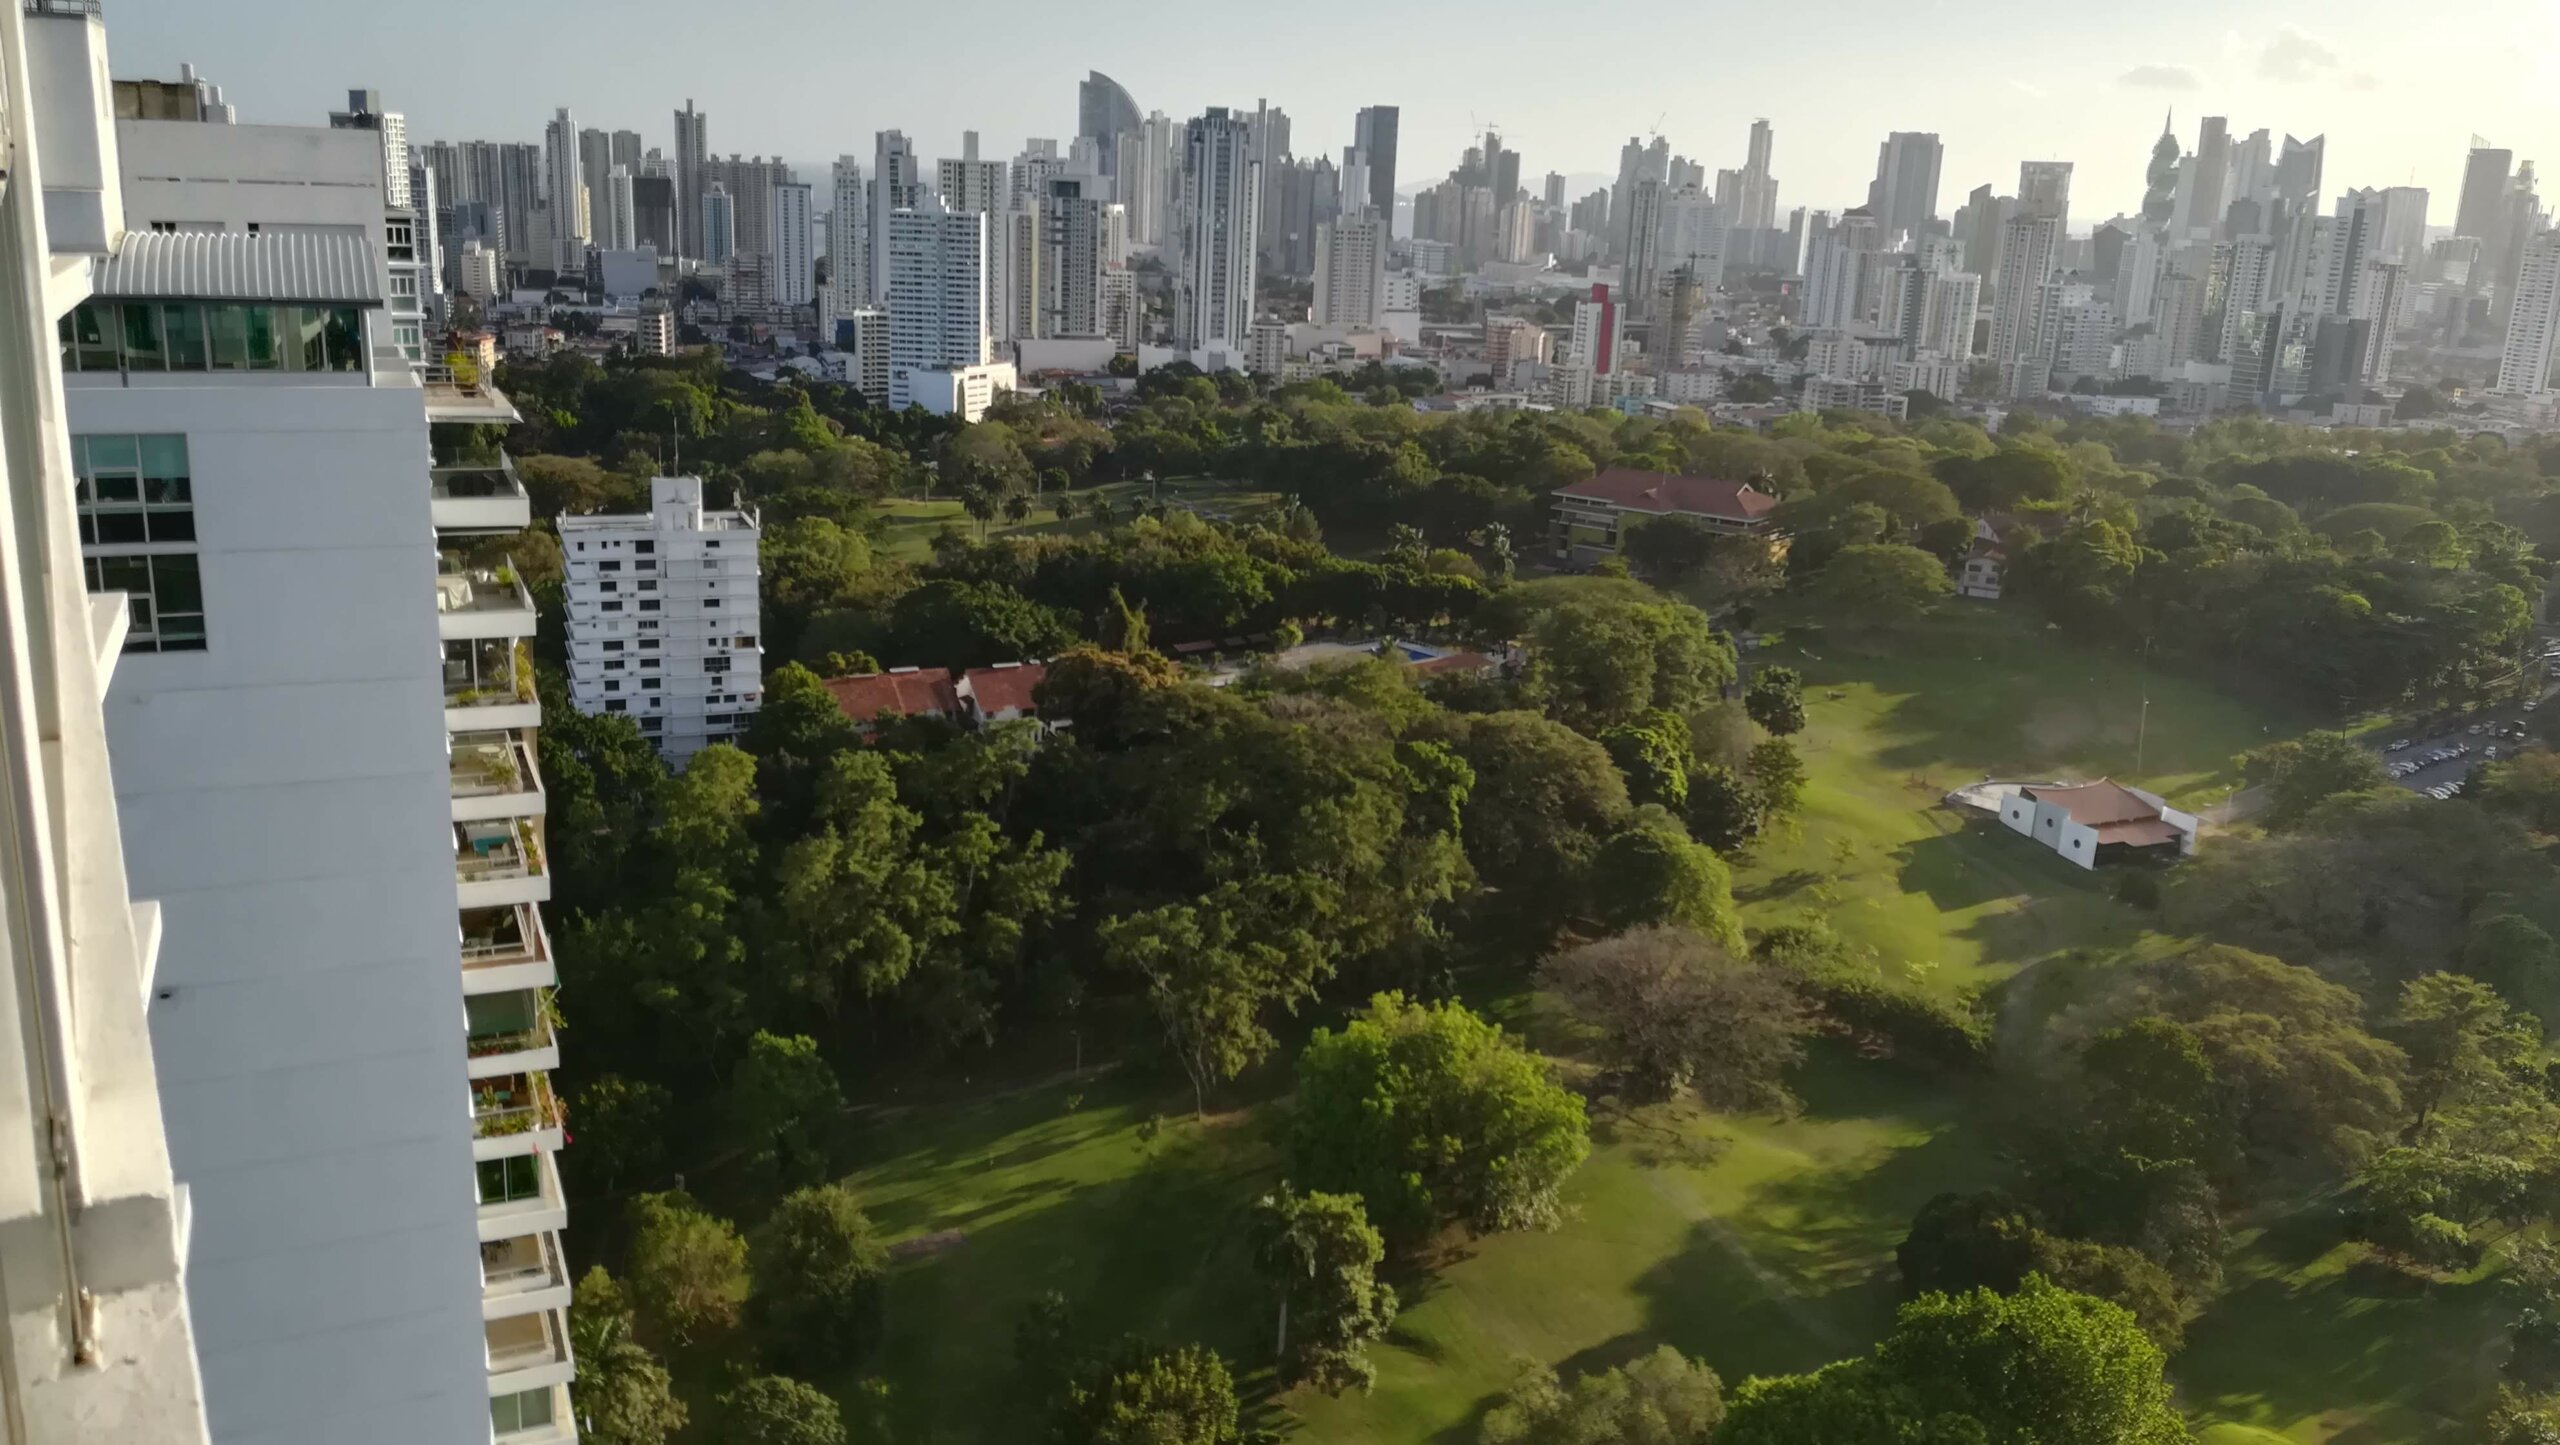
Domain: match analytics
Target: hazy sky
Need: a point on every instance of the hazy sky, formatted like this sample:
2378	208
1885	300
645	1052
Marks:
2399	88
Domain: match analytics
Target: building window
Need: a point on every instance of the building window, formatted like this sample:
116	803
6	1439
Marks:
111	336
138	535
644	548
648	644
612	606
653	724
502	1181
603	566
649	604
650	684
710	604
615	704
715	664
608	587
650	586
530	1410
613	647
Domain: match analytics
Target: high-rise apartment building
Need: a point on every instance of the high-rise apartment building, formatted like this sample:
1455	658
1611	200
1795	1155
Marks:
1904	194
662	618
364	112
896	185
1104	113
2533	323
2207	197
1835	269
795	271
2482	210
654	222
618	228
2044	189
102	1343
322	727
968	183
595	166
941	344
1351	271
848	245
719	225
2020	345
1221	217
564	193
1373	134
693	147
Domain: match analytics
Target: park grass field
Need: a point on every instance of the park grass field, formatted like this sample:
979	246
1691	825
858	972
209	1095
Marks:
910	523
1759	1245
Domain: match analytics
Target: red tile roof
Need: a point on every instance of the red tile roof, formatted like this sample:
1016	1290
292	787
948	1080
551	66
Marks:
1662	492
2094	805
998	689
907	693
1468	662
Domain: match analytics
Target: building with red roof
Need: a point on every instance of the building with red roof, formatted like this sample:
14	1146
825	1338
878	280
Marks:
2093	823
1003	692
899	692
1592	517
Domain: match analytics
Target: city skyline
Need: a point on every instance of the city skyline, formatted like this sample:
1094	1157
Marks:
2276	66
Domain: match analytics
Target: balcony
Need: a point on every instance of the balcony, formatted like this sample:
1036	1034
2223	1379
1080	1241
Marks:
527	1352
461	395
511	1033
499	861
520	1194
515	1114
505	949
481	602
488	684
537	1417
493	776
522	1274
478	497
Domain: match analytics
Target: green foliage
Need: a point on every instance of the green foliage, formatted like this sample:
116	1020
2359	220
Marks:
2042	1364
1777	777
773	1410
1599	658
2525	787
1432	1116
819	1270
784	1104
1322	1255
1650	872
1654	757
1150	1395
688	1268
1669	549
625	1396
1213	969
1880	585
2301	773
1663	1398
1775	700
1962	1242
621	1131
1675	1009
970	624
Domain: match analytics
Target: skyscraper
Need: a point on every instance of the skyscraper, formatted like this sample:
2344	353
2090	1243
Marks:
795	271
2019	307
719	223
940	342
1351	271
693	146
364	112
896	185
1373	131
1221	184
970	184
1904	195
2533	323
1104	112
848	247
2208	199
565	193
2482	211
620	226
595	165
2044	189
1759	208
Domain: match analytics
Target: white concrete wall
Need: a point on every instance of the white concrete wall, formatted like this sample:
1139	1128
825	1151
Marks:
285	793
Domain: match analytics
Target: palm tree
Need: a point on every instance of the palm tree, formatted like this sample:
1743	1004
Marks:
1495	539
1017	507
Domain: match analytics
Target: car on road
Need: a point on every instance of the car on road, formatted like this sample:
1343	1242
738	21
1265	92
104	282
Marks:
2400	746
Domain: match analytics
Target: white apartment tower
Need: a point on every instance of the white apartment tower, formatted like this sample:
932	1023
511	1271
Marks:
795	271
1351	270
848	246
1221	235
101	1337
941	346
322	730
565	188
970	184
662	618
2533	327
2019	306
621	226
895	187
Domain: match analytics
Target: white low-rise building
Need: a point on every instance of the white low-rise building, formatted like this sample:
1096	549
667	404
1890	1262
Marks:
2101	822
663	618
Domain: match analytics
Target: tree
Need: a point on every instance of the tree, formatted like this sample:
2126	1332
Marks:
1651	871
819	1268
1543	799
1663	1398
773	1410
1775	700
2526	786
1669	548
1151	1395
1322	1255
2522	1420
1675	1010
1654	756
1603	655
1725	811
1879	585
1212	969
1961	1242
2512	954
1431	1115
1777	776
785	1103
624	1395
688	1268
947	623
621	1131
2040	1365
2466	1047
2301	773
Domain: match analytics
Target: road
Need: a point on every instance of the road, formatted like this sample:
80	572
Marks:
2448	732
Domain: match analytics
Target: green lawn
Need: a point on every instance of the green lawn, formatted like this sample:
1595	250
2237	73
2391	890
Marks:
912	522
1759	1245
